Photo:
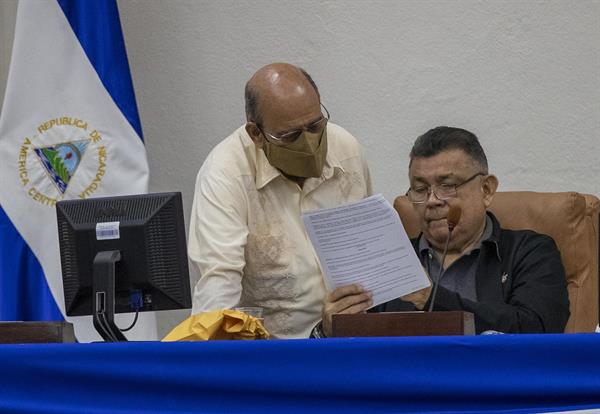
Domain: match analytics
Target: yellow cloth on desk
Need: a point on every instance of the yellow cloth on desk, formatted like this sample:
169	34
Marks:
220	324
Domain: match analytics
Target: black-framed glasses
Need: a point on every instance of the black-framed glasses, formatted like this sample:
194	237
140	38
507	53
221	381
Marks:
289	137
442	192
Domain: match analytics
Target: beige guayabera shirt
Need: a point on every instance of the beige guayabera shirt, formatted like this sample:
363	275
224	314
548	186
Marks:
247	240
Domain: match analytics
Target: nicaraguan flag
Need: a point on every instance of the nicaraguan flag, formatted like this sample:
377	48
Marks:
69	128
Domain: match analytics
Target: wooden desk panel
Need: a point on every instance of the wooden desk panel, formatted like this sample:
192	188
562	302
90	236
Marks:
36	332
403	324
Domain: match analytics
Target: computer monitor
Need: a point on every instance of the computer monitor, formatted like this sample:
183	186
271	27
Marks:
123	254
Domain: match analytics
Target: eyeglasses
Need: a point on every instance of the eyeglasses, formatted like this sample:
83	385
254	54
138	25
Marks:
290	136
442	192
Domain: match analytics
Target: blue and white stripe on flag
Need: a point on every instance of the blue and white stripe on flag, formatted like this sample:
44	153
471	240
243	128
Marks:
69	128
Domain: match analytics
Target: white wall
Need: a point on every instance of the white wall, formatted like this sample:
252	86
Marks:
8	10
524	76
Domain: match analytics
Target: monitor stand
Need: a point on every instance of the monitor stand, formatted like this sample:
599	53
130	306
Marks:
103	296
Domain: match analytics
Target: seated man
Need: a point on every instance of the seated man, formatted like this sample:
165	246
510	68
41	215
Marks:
247	238
512	281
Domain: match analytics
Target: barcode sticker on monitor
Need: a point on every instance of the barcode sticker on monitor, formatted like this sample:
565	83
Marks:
108	230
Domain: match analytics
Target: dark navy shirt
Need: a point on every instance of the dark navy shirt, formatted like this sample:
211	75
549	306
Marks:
459	277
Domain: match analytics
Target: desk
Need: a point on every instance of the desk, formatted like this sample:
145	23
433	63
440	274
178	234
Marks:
522	373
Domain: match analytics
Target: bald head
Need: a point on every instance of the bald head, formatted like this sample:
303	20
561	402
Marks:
277	85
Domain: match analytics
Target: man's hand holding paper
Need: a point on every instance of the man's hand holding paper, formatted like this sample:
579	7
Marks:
349	299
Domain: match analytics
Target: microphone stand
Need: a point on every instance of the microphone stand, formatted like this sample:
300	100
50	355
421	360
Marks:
454	213
440	274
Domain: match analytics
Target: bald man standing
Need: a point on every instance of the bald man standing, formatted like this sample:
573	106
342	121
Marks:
246	238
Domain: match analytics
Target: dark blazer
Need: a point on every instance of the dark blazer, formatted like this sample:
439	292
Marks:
520	283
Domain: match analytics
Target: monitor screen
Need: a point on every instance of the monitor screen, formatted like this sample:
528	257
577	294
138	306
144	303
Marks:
139	238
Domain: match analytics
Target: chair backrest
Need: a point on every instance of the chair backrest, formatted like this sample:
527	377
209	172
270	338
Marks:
571	219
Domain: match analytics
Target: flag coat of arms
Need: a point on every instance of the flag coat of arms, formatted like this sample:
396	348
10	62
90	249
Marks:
69	129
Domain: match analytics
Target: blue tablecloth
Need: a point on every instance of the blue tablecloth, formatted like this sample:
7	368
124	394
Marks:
499	373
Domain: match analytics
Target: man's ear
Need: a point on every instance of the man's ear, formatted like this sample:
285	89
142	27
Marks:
489	185
254	133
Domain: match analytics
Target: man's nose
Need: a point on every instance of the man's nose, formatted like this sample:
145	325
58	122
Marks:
432	197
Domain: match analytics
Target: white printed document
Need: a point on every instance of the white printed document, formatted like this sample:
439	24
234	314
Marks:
365	243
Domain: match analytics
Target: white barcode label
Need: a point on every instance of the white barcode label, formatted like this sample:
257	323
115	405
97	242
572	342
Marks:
108	230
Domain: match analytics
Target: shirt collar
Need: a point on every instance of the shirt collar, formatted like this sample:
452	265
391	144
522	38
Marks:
265	172
494	237
487	236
